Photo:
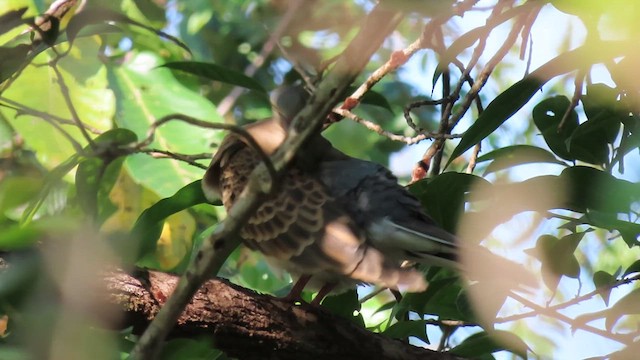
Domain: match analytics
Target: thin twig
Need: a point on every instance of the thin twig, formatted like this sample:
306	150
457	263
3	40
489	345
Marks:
21	108
189	159
391	136
48	119
474	158
66	95
552	313
240	131
416	104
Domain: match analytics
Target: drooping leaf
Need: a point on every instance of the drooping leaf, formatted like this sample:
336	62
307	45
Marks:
216	72
444	196
589	188
97	174
604	281
589	142
633	268
627	305
12	19
484	343
345	305
97	15
373	98
410	328
547	116
497	112
148	227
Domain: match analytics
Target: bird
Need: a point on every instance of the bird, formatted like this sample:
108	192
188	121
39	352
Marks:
333	221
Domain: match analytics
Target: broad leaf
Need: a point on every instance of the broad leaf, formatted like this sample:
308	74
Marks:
145	94
216	73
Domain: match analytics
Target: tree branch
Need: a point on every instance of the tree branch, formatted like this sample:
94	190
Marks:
247	325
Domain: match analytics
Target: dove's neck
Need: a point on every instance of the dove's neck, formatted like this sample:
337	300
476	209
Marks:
269	134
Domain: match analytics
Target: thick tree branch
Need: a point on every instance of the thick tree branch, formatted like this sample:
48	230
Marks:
247	325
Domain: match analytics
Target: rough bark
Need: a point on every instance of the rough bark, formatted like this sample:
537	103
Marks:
247	325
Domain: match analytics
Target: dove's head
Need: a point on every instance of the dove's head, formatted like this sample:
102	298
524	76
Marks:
287	101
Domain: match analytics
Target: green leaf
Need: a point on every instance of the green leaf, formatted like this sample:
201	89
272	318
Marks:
589	142
145	94
96	175
215	72
443	197
483	343
511	156
511	100
17	237
12	19
51	180
12	59
419	302
634	268
149	225
497	112
373	98
99	15
189	349
593	189
547	116
627	305
85	77
405	329
18	190
604	281
345	305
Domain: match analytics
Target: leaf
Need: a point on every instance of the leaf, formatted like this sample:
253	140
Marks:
17	237
18	190
497	112
405	329
604	281
189	349
511	156
98	15
87	85
215	72
51	180
419	302
443	197
511	100
148	227
96	175
345	305
12	59
633	268
145	94
602	101
374	98
483	343
589	142
593	189
627	305
547	116
12	19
